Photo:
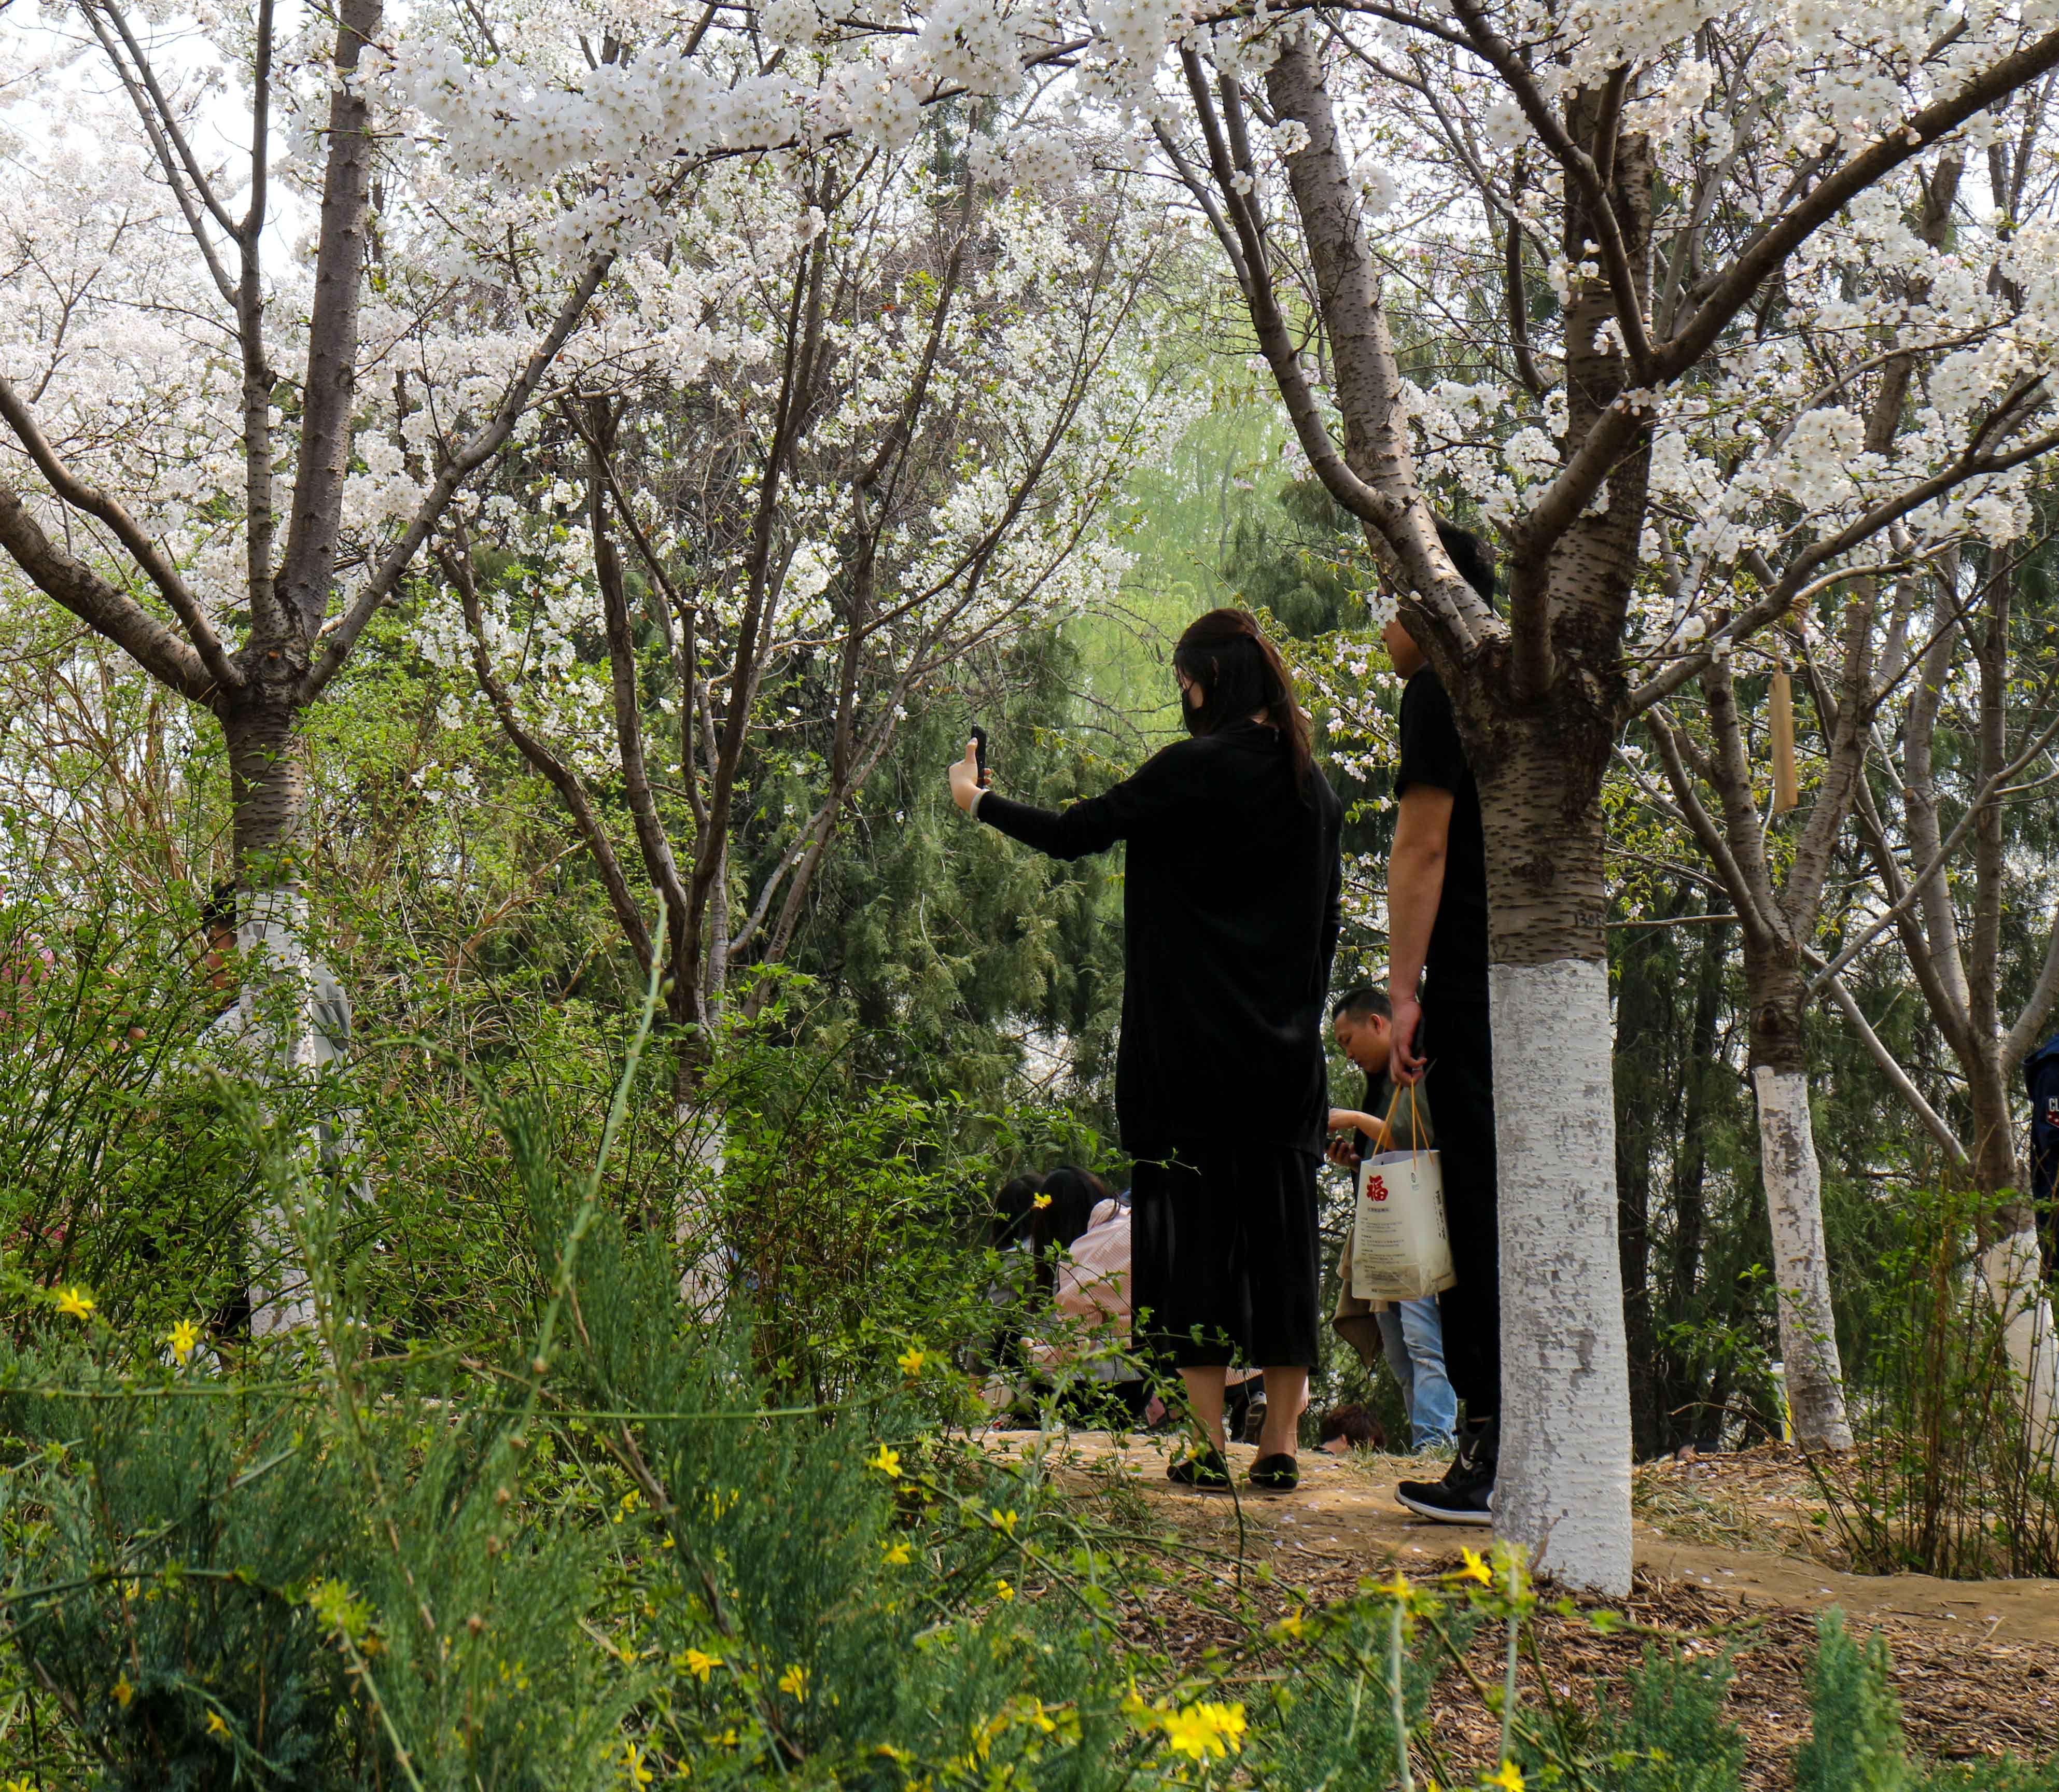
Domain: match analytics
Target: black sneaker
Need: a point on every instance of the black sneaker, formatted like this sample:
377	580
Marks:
1205	1471
1466	1494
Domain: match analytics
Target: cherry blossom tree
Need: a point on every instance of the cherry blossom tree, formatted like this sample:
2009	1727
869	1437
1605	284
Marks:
919	401
1972	735
226	458
1683	180
958	395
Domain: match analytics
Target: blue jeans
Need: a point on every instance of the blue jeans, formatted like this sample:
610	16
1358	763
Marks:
1412	1335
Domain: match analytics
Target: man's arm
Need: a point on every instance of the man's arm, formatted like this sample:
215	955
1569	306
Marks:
1415	884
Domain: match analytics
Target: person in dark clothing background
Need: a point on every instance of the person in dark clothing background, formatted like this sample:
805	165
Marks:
2040	1076
1437	981
1231	915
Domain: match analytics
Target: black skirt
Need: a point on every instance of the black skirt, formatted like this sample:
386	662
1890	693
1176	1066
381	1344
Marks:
1227	1257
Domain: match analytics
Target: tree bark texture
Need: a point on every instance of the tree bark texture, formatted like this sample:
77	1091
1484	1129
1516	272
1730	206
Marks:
1563	1485
1795	1207
324	458
1777	997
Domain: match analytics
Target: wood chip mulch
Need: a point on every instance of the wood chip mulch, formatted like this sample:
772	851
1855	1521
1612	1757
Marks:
1961	1697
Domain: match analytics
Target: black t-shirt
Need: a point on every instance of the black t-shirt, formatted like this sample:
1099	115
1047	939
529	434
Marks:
1231	910
1455	969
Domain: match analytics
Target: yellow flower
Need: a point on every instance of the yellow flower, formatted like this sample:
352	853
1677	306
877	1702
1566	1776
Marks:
1476	1568
897	1553
1398	1586
1003	1522
76	1302
182	1337
1295	1625
1510	1779
701	1665
215	1726
911	1361
887	1462
123	1692
794	1682
1205	1731
632	1759
1041	1202
1003	1592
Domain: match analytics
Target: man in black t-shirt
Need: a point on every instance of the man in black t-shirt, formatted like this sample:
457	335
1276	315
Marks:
1437	958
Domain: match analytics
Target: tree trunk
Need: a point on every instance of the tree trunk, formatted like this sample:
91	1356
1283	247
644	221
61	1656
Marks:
1788	1165
703	1275
268	785
1562	1488
1680	1386
2009	1263
1646	1012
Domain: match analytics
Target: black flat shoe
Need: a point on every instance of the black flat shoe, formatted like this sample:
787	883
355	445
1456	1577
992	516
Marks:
1205	1471
1275	1474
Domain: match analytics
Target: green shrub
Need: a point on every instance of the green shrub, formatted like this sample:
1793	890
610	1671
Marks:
1855	1741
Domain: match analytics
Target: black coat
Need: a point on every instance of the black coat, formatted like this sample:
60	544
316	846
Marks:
1230	915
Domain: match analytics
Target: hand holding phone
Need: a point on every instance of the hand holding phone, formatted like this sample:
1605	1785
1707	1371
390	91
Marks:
979	741
969	774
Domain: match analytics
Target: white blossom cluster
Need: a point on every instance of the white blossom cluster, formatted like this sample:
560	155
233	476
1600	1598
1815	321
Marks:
1770	446
1035	400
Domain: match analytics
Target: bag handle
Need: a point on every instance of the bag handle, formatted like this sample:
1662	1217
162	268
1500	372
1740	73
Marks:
1385	1141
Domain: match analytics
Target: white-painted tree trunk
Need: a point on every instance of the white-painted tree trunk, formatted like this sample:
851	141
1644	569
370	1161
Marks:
704	1278
1562	1488
2009	1267
1801	1262
275	1017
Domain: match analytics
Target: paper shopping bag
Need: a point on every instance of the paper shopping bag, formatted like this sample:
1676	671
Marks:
1400	1249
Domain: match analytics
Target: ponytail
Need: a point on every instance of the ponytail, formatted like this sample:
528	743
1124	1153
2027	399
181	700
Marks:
1240	674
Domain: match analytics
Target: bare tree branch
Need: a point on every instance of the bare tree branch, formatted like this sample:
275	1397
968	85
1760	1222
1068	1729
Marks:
73	490
1934	1123
97	603
457	569
651	839
1744	893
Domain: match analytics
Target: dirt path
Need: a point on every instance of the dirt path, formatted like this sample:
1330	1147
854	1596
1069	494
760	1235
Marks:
1977	1663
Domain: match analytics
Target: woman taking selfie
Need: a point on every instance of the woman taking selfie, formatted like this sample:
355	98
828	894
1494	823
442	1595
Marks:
1230	918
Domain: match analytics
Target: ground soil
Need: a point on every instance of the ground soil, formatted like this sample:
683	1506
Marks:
1729	1549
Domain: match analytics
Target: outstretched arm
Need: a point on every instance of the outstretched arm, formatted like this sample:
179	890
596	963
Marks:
1091	827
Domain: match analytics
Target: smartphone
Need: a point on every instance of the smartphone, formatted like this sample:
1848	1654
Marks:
979	748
